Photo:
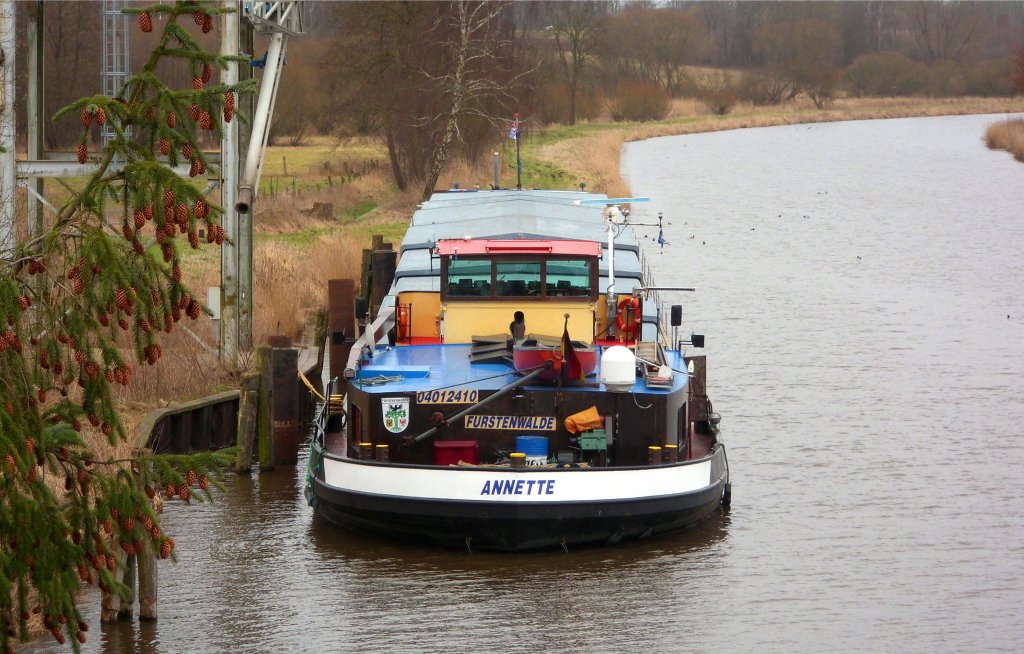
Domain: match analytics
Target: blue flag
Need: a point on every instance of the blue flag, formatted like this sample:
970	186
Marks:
514	132
661	238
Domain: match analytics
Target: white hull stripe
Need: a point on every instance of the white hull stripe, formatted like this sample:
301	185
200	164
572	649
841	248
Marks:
497	485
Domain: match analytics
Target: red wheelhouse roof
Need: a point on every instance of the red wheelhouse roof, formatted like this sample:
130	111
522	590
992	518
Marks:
486	246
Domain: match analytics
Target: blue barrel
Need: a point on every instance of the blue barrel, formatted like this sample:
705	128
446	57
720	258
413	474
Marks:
534	447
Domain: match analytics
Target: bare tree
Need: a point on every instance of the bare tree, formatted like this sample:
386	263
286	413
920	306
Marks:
656	45
798	58
576	32
477	72
944	31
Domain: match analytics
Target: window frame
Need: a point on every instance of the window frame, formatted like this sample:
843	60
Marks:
543	295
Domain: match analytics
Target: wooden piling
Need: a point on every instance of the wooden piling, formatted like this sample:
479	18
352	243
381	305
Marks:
247	411
147	581
264	426
110	603
128	579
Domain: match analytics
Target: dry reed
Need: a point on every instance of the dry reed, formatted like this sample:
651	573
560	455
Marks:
1007	135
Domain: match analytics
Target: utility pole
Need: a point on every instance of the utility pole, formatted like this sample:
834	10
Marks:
7	128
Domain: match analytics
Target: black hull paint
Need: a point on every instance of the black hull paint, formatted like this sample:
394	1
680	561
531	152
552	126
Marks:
515	527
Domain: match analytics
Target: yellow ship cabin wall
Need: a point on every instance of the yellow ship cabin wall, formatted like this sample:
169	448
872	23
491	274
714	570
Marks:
461	321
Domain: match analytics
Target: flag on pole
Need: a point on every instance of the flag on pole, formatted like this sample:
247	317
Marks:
514	132
571	366
661	238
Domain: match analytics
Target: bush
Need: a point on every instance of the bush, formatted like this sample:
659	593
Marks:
990	78
720	94
639	101
553	104
946	80
886	74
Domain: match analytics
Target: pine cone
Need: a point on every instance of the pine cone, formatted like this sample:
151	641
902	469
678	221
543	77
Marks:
168	251
148	210
83	153
165	147
172	120
193	111
229	113
101	116
193	240
24	302
145	22
183	492
165	549
207	72
211	235
169	228
123	324
176	273
200	208
199	16
30	443
205	121
194	309
108	526
139	218
85	117
145	325
121	299
151	112
186	150
137	246
77	286
207	24
182	215
190	477
197	84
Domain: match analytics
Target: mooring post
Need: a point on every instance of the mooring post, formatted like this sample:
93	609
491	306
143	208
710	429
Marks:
284	400
264	425
145	560
128	601
248	401
110	602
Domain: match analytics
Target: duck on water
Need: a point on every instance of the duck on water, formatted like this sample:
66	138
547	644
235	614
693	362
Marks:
580	425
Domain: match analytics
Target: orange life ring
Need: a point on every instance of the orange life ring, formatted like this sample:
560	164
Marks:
628	327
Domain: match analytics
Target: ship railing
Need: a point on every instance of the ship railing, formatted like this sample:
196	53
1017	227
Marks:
366	343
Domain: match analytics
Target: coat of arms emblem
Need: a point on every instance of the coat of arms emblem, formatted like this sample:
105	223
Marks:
396	413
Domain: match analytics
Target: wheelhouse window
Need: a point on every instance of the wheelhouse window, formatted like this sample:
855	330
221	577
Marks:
508	277
518	278
568	277
469	278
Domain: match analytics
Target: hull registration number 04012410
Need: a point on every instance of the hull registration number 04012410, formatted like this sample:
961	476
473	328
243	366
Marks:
448	396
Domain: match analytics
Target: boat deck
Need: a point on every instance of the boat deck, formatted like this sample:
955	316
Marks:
417	368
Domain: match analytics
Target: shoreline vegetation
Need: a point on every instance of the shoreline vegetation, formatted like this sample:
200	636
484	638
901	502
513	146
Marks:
1007	135
296	249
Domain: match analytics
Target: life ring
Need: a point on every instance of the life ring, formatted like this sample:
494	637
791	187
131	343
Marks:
628	327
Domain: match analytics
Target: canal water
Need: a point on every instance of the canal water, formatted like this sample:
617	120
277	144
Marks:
860	287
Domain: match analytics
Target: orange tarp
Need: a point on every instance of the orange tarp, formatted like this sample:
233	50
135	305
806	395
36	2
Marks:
584	420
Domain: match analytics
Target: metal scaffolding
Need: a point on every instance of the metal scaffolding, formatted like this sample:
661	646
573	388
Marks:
116	50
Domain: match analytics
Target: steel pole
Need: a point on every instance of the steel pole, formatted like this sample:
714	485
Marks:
229	193
261	119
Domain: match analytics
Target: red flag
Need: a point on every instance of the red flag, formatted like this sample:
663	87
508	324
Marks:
571	366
